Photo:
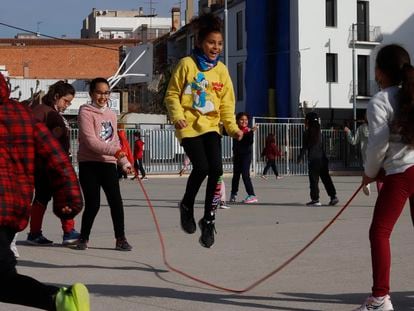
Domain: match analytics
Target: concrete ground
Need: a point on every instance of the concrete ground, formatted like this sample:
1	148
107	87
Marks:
251	241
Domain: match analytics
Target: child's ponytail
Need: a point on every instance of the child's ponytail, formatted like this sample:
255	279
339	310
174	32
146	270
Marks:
405	117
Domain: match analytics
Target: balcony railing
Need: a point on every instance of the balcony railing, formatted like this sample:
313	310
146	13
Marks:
365	35
363	89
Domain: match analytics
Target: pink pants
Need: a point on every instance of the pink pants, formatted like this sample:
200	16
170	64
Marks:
397	188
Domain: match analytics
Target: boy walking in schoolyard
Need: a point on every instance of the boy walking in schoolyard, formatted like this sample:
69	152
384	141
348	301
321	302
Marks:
21	140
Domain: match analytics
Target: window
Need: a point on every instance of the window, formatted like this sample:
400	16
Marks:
240	84
330	13
362	20
239	23
331	67
363	83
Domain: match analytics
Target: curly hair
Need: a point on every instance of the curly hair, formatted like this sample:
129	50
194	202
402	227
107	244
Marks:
205	24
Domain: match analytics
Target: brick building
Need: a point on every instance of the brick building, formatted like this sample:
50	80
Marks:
62	59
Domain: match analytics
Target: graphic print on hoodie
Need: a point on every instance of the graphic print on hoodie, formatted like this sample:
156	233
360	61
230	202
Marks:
107	131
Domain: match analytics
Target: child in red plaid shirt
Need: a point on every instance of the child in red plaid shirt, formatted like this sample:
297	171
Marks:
21	140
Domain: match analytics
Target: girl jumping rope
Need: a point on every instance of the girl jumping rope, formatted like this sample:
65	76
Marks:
390	145
199	96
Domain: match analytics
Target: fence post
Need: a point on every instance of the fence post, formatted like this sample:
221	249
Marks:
254	164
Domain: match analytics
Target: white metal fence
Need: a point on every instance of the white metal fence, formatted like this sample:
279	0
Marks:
164	155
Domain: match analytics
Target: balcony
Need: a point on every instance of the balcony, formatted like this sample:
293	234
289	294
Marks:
363	35
363	89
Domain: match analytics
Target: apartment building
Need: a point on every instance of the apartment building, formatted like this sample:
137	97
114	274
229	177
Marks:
284	55
116	24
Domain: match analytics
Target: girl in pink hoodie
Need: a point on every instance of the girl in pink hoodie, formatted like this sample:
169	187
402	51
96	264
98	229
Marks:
99	153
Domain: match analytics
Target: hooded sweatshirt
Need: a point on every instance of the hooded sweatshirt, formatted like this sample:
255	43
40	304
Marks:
98	139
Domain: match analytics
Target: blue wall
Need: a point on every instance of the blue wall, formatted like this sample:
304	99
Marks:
256	64
268	36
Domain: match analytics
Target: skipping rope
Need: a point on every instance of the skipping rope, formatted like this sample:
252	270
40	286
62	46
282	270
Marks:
260	280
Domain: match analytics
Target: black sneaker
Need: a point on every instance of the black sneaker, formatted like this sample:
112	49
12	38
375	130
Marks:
208	229
122	245
82	244
187	219
333	201
314	203
38	239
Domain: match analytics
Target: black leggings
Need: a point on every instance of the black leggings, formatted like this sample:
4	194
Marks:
93	176
241	166
20	289
270	164
204	153
139	167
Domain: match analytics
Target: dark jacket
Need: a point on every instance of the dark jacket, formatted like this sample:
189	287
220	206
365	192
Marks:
244	146
21	140
315	151
54	122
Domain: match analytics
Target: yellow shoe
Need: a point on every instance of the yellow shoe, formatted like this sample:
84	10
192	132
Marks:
74	298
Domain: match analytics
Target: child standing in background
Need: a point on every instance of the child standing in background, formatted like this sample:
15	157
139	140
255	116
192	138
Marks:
123	140
242	159
361	138
271	152
318	163
199	96
138	156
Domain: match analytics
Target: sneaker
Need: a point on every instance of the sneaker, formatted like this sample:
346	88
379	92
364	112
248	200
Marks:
223	205
207	232
70	237
144	178
250	199
74	298
233	198
264	177
377	304
37	239
366	190
333	201
279	177
314	203
82	244
187	219
122	245
13	247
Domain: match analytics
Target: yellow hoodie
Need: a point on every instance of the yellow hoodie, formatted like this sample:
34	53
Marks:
202	98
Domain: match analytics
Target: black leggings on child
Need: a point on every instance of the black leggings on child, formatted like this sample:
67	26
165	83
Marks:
204	152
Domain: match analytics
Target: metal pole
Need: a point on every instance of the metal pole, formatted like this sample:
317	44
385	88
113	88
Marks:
354	77
226	34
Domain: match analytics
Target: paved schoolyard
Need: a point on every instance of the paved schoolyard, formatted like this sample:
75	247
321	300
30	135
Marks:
251	241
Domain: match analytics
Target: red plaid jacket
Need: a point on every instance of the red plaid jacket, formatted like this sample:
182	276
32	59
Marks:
21	140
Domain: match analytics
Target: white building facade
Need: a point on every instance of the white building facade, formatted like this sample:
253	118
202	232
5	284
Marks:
134	24
326	55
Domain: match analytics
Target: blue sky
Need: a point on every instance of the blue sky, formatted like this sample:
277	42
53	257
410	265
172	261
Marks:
64	17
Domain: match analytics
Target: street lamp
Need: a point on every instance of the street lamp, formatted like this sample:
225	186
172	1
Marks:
354	77
226	34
